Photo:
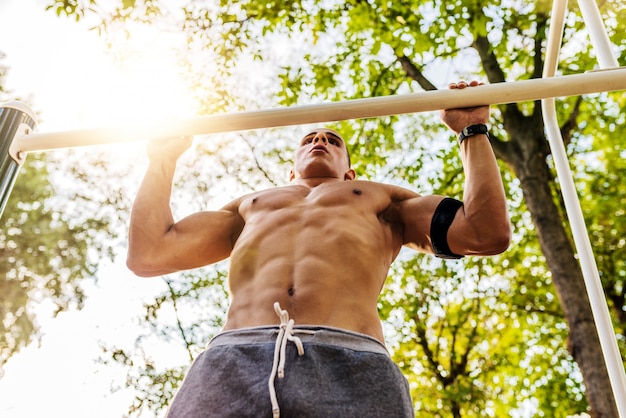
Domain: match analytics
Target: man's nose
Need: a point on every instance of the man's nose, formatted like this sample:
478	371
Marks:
320	138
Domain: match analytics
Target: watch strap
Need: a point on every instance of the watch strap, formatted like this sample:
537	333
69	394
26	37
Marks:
472	130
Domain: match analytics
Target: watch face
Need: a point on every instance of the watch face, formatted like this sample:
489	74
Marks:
476	129
473	130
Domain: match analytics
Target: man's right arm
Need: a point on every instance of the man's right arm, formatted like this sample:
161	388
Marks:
159	245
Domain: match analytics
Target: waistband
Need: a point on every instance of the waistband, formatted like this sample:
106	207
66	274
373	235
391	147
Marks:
313	334
280	335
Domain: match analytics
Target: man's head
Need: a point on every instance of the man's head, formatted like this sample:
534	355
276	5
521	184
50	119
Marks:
322	153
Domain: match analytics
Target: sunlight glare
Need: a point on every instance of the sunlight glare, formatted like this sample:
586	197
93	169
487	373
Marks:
144	82
140	80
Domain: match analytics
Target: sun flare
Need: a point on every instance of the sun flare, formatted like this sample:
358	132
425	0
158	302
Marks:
144	81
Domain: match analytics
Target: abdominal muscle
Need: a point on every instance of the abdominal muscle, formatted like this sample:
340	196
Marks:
325	269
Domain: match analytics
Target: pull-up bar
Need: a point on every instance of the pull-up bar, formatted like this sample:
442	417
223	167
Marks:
17	121
501	93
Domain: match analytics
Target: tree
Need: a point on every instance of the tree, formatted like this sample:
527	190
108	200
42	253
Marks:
368	48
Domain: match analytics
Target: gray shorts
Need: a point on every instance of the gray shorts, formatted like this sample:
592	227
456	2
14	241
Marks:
340	374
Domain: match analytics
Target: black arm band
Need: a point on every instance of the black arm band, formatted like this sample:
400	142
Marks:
442	219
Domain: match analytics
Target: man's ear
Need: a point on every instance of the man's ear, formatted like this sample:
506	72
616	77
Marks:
349	175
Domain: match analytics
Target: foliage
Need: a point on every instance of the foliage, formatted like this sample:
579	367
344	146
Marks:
46	252
185	316
604	199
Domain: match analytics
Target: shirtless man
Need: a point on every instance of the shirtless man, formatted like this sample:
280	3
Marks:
307	264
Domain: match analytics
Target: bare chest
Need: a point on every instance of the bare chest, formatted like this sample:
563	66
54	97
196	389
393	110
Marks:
353	196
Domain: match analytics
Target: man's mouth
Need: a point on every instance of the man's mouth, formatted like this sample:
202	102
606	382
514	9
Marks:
319	148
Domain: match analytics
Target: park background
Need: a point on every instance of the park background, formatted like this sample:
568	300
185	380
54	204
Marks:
509	335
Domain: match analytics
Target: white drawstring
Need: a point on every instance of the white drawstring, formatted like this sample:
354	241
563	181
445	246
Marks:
285	333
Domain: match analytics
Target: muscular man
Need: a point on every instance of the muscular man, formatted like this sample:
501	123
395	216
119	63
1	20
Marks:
307	263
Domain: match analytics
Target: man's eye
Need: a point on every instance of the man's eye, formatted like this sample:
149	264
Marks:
333	141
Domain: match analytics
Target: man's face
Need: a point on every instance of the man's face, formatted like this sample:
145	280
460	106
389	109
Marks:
322	153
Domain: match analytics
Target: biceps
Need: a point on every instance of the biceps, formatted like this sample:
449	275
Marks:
417	216
195	241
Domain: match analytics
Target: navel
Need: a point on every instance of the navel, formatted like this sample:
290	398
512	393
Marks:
357	192
291	291
254	200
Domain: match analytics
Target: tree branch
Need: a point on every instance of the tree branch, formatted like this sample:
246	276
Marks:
422	340
415	73
179	323
488	59
567	129
538	61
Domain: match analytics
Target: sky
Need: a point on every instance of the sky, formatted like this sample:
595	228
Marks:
74	82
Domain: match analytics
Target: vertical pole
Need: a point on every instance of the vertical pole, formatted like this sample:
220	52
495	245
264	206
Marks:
597	299
15	118
615	365
597	33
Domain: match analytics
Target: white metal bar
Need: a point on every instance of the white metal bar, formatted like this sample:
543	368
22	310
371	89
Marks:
599	307
597	33
510	92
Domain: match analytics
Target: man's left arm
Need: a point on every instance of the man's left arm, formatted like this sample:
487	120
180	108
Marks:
479	225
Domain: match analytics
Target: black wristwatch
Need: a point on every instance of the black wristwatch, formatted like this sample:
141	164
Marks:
473	130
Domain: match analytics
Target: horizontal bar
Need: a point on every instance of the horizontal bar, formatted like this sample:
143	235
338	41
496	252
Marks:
491	94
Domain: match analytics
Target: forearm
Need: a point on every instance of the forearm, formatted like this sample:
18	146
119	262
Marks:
484	200
483	227
151	217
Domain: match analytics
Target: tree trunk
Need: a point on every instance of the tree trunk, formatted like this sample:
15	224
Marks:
527	157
